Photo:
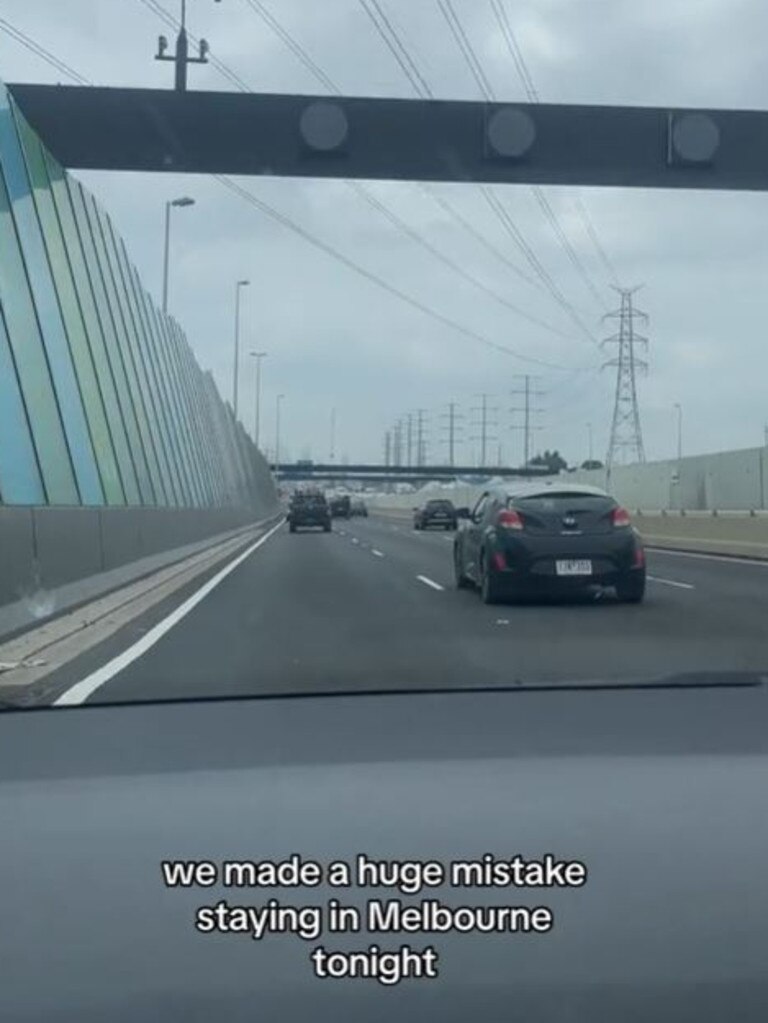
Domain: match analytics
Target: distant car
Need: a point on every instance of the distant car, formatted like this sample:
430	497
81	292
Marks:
341	506
548	538
359	507
435	513
308	510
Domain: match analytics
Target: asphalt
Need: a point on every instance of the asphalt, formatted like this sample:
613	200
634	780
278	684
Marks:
373	605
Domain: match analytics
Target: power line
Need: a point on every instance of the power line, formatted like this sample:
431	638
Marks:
530	89
296	49
576	262
457	29
486	89
590	229
394	44
410	300
517	56
40	51
447	261
544	276
478	235
259	9
383	24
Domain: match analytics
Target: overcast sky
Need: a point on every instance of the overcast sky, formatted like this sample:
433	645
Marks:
338	341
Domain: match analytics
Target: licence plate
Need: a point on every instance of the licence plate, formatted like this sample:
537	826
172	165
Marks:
573	567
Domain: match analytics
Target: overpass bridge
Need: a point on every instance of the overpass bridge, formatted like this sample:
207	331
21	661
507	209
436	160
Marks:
376	473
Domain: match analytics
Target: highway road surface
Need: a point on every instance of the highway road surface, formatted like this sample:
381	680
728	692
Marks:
373	605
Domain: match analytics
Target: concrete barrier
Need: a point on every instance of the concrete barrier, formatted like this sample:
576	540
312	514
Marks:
743	535
43	548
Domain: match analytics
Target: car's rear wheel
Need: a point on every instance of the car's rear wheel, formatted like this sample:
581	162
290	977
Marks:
327	527
463	582
490	588
630	589
292	528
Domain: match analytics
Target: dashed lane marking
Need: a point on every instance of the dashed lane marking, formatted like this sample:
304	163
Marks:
670	582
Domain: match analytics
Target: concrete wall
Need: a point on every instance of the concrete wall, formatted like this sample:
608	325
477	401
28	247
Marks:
724	481
42	548
727	480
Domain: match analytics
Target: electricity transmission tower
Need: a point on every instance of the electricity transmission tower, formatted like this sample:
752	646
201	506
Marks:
421	440
452	416
626	441
483	425
397	443
528	392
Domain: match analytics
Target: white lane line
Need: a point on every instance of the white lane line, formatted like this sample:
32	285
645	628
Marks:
759	562
355	540
341	532
448	539
376	553
670	582
429	582
81	690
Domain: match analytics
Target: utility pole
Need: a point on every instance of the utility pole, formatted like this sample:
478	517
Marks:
409	439
387	449
236	368
420	439
181	202
181	58
679	410
333	435
626	440
398	443
484	437
258	356
452	418
528	392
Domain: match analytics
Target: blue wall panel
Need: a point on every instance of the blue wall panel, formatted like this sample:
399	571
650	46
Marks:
101	398
47	305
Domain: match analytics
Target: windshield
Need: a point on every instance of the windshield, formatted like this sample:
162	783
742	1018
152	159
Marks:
543	265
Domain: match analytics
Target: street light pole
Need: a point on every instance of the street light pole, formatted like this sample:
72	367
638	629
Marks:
679	408
184	201
258	356
277	428
589	428
236	375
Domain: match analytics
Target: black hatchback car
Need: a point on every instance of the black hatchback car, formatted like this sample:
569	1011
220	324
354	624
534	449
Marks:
548	538
436	512
308	510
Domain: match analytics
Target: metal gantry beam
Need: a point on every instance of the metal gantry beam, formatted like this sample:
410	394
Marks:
398	139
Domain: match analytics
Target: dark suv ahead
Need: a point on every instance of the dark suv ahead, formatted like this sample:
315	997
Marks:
548	538
435	513
309	510
341	506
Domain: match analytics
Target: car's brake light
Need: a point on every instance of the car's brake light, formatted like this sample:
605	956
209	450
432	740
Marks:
639	557
509	519
621	517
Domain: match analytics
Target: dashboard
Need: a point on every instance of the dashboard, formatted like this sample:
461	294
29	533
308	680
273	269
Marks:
659	792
